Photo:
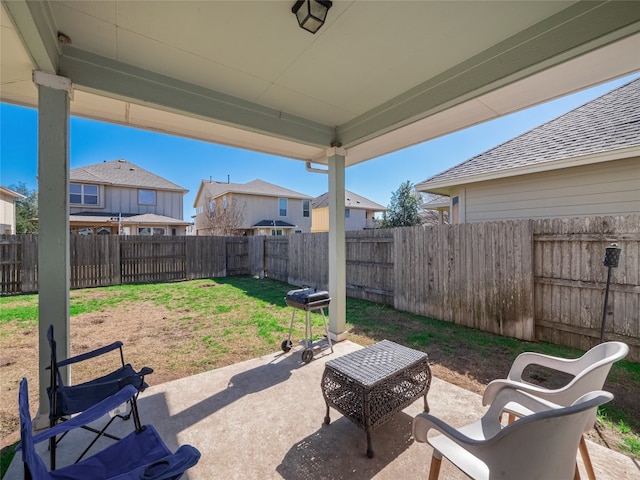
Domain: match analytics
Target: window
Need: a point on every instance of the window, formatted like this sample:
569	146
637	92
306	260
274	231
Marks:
150	231
146	197
347	213
455	210
305	208
276	232
212	206
224	202
81	194
282	206
199	210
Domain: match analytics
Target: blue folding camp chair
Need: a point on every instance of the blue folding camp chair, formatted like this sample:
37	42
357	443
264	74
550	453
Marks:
67	400
140	455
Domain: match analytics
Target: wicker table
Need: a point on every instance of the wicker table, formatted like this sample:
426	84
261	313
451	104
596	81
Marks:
370	385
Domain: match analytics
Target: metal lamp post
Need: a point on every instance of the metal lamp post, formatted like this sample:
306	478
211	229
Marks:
611	259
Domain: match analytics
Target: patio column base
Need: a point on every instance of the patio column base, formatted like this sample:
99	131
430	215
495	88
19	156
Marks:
338	337
41	421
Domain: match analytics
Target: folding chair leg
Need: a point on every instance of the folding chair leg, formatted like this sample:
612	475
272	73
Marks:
134	412
434	469
100	433
586	459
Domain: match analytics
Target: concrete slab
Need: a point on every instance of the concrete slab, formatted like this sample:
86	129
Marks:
263	418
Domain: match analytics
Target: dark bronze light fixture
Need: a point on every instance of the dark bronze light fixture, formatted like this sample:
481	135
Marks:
311	14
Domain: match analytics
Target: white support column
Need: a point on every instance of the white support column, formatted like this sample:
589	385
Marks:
53	223
337	255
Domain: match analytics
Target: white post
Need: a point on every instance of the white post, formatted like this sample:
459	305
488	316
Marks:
337	254
53	224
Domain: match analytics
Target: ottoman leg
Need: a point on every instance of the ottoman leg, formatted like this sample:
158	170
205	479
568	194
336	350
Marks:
369	448
327	420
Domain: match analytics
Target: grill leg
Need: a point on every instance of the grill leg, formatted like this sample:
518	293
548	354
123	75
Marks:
326	330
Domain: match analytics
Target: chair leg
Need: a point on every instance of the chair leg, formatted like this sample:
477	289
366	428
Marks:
586	459
434	469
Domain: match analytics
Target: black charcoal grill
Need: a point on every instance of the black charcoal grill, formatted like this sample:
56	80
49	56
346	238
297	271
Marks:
309	300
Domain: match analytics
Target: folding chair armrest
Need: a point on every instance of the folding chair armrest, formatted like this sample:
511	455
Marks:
496	386
89	415
93	353
423	422
172	465
572	366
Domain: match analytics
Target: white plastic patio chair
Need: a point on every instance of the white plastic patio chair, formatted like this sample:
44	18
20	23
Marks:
542	445
590	372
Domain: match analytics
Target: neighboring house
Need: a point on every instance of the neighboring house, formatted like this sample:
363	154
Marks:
358	212
8	210
435	210
260	208
583	163
120	197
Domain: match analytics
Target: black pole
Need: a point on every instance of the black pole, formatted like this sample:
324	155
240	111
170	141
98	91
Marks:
611	259
604	309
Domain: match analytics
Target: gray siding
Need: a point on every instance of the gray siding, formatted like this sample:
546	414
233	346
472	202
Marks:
611	188
125	200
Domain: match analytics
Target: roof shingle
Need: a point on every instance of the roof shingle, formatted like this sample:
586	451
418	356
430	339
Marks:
609	122
122	173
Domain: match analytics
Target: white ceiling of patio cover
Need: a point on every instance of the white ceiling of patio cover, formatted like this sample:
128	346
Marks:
379	76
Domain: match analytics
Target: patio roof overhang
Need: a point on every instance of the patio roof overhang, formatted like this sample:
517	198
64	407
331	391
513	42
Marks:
378	77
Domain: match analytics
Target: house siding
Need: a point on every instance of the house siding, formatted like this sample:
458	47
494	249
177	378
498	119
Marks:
357	219
7	214
611	188
257	208
125	200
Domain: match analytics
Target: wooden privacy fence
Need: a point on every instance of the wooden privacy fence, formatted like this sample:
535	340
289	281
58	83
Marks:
534	280
570	280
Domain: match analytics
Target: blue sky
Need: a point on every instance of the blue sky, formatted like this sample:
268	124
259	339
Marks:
187	162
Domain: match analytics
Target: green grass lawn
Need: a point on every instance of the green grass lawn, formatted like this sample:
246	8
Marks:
233	319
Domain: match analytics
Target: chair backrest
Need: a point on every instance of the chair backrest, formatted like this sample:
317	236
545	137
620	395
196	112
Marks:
33	464
542	445
592	370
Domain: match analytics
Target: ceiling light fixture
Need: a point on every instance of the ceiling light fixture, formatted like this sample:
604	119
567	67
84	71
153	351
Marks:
311	14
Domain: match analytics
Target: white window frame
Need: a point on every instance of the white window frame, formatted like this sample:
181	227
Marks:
347	212
84	194
153	231
142	192
286	207
306	208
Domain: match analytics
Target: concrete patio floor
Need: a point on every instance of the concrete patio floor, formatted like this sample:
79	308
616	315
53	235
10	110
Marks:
263	419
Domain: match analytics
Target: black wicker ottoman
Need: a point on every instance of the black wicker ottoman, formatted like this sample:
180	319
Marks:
370	385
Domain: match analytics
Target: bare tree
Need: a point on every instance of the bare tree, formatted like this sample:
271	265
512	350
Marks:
224	216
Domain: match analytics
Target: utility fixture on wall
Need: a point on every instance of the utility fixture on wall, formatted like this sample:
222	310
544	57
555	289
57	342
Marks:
311	14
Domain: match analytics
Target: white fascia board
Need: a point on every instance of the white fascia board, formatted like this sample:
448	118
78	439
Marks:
620	154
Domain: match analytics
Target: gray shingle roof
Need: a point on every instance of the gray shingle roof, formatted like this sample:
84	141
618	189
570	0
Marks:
131	218
122	173
607	123
351	200
255	187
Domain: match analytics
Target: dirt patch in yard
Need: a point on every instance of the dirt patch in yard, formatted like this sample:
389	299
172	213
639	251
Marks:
178	343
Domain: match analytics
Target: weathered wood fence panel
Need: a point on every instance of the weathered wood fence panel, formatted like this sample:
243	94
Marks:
370	270
256	255
95	260
152	259
10	264
276	257
205	257
476	275
308	260
237	255
570	281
